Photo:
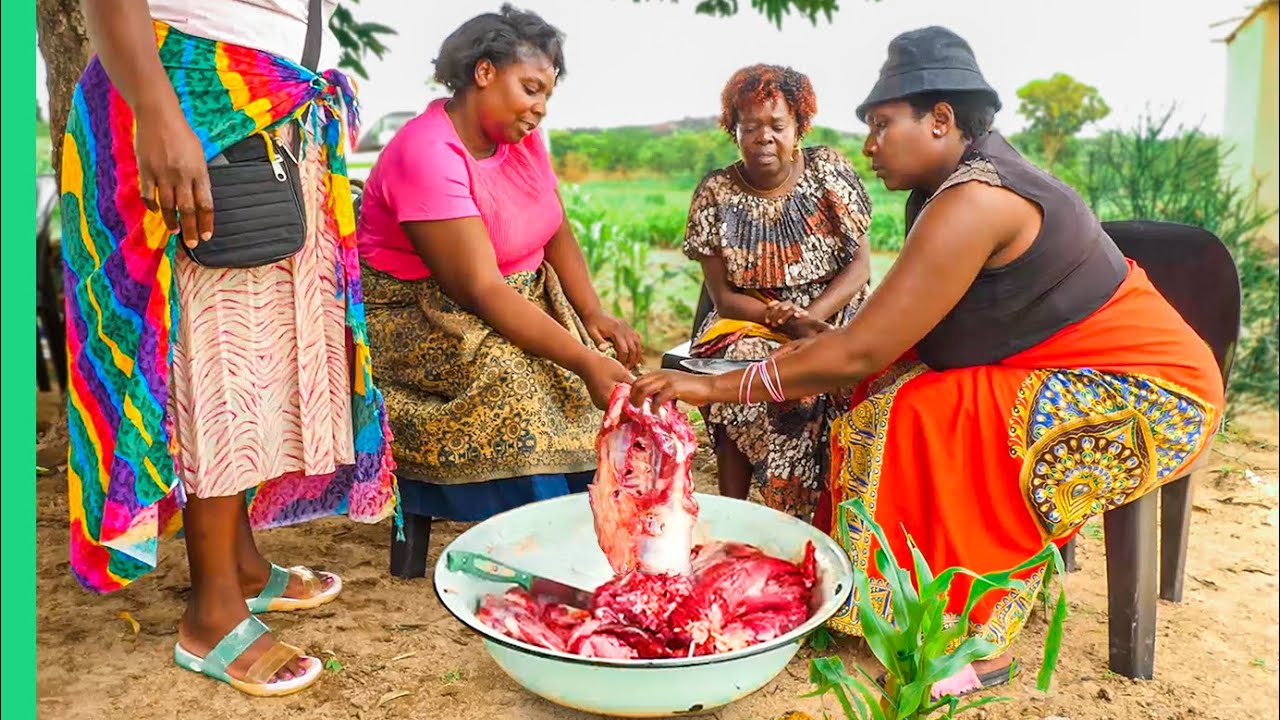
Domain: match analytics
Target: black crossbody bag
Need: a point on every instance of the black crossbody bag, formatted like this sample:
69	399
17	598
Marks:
258	213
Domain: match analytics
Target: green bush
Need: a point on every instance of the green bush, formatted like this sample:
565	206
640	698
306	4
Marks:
1154	172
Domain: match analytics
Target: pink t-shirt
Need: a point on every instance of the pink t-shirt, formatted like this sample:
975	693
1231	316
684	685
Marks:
425	173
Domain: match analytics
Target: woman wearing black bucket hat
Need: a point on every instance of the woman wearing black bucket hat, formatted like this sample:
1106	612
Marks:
1014	374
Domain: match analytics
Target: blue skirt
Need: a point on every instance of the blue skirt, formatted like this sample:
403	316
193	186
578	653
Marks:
472	502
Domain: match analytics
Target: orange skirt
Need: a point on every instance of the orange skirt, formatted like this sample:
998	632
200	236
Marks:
983	466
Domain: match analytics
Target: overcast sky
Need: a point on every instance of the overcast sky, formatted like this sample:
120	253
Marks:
631	63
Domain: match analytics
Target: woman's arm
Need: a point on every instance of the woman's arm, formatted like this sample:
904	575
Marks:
172	175
855	217
843	286
730	303
565	256
462	261
953	239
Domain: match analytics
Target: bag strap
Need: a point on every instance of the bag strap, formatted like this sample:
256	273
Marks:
315	27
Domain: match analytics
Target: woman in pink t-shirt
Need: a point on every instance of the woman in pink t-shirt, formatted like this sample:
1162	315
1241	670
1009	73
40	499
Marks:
493	344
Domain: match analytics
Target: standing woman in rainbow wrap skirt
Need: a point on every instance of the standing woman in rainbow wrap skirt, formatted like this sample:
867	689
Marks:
215	400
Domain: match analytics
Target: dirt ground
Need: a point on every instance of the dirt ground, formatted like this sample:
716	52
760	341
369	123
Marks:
394	652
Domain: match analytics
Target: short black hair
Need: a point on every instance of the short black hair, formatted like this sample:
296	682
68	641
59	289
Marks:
975	109
499	38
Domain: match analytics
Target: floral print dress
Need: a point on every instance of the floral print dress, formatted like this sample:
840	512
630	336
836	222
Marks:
787	247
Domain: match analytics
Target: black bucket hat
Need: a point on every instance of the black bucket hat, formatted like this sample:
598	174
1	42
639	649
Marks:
927	60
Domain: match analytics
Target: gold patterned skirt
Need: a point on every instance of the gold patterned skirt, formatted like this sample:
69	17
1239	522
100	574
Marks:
983	466
784	442
465	405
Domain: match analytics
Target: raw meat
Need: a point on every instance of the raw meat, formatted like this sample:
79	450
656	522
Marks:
519	615
667	598
741	596
736	596
642	497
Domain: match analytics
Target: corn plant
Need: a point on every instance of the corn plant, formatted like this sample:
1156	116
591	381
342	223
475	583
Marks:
636	283
595	235
917	648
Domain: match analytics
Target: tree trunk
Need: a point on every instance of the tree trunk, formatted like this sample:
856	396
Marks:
1052	146
64	44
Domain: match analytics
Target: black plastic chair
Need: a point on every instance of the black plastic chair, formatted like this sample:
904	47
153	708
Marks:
49	311
1196	274
672	358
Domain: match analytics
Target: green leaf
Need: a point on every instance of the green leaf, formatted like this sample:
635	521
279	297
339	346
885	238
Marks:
376	29
936	645
924	576
828	676
911	697
820	639
902	596
1053	642
871	701
895	576
340	16
354	65
973	648
885	642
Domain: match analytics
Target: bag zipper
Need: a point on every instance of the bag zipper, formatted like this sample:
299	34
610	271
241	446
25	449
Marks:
277	165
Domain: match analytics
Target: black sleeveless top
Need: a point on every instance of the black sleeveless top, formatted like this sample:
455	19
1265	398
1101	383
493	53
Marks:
1070	270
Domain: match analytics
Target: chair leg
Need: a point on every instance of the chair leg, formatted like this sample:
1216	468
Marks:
1069	556
55	333
409	556
42	367
1175	524
1130	532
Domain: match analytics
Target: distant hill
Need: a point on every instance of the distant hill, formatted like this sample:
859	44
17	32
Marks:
690	146
663	128
700	124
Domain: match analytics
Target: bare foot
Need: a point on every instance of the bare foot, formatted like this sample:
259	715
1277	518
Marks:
969	678
200	631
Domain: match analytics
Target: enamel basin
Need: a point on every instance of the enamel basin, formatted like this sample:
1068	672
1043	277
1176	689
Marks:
556	538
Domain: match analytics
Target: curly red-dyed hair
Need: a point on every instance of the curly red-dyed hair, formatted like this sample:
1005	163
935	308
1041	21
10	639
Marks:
760	83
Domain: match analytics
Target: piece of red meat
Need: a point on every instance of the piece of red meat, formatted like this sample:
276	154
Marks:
742	597
519	615
602	639
642	496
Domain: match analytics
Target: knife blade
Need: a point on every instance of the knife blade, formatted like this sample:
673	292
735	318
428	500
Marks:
486	568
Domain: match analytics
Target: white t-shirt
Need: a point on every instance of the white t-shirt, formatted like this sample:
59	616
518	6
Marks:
275	26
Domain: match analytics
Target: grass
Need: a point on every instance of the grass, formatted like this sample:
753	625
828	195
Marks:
627	195
655	287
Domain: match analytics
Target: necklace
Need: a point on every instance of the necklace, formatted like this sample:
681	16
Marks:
795	161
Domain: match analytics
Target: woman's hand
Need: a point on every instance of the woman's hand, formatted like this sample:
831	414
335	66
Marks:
602	376
804	326
173	175
780	312
606	330
664	386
